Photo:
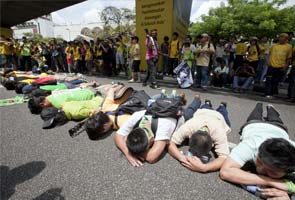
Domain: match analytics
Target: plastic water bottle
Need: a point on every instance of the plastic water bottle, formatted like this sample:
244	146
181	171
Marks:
254	190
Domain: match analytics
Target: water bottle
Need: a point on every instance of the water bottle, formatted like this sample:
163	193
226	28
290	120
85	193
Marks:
253	189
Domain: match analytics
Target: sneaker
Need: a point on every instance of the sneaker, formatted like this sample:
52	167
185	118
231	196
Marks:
154	86
272	106
204	88
269	96
223	104
207	101
144	84
131	81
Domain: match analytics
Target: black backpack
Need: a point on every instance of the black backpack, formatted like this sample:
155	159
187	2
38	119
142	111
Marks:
165	107
136	102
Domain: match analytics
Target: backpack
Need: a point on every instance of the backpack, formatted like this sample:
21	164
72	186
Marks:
164	107
136	102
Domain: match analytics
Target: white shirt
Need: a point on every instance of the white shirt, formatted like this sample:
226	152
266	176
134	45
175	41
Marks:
165	129
221	71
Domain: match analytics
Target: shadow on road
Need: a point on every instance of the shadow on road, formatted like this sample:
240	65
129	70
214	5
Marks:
12	177
51	194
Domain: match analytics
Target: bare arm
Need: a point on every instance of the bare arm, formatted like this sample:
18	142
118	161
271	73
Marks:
120	142
231	171
154	153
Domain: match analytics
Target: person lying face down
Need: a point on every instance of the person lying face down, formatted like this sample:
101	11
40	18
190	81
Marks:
207	129
139	142
36	104
266	144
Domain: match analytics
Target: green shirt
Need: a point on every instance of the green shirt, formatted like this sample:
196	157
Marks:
59	86
69	95
188	56
78	110
26	50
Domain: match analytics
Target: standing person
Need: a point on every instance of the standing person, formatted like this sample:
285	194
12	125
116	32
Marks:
229	52
253	53
69	55
151	59
291	88
279	60
88	58
77	56
203	53
120	61
26	60
135	59
174	51
263	59
57	57
107	58
241	50
82	60
165	56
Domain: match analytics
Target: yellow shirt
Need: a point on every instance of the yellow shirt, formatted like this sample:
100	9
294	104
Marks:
68	52
252	53
2	48
241	48
293	63
174	49
76	53
5	49
88	55
120	47
279	54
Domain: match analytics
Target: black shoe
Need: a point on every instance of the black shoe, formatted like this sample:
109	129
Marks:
144	84
207	101
223	104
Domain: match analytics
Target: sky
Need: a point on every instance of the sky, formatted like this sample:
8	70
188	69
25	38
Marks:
88	11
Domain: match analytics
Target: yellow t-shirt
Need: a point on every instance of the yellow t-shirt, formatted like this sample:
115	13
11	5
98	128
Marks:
241	48
88	55
279	54
252	53
174	49
110	105
2	48
293	63
120	47
68	52
76	53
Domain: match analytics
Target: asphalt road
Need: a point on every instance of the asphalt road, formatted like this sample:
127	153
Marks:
49	164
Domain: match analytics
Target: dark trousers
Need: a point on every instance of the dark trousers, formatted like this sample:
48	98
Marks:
291	88
271	116
273	77
151	71
196	104
173	62
26	63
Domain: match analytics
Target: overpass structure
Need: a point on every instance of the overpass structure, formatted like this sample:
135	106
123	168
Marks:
17	12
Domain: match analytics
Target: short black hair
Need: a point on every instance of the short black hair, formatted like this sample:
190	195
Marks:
34	105
186	44
137	141
19	86
278	153
166	38
94	126
135	38
9	84
175	33
39	92
200	143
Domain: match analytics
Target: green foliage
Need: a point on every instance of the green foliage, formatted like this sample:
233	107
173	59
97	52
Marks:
37	38
247	18
117	19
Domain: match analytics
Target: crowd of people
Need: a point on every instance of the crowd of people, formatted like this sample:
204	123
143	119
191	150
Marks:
236	63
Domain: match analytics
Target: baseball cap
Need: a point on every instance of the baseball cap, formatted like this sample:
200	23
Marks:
52	117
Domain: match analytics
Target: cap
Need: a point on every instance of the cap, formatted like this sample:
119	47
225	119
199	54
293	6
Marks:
48	115
205	35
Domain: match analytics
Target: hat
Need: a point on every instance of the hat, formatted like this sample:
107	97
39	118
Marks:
205	35
52	117
284	35
253	38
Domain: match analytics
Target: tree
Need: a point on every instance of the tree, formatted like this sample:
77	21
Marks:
247	18
118	19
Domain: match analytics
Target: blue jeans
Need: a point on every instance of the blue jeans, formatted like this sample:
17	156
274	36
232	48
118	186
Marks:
222	110
202	76
262	64
188	112
246	82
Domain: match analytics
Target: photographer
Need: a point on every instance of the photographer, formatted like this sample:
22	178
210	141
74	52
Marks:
151	59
